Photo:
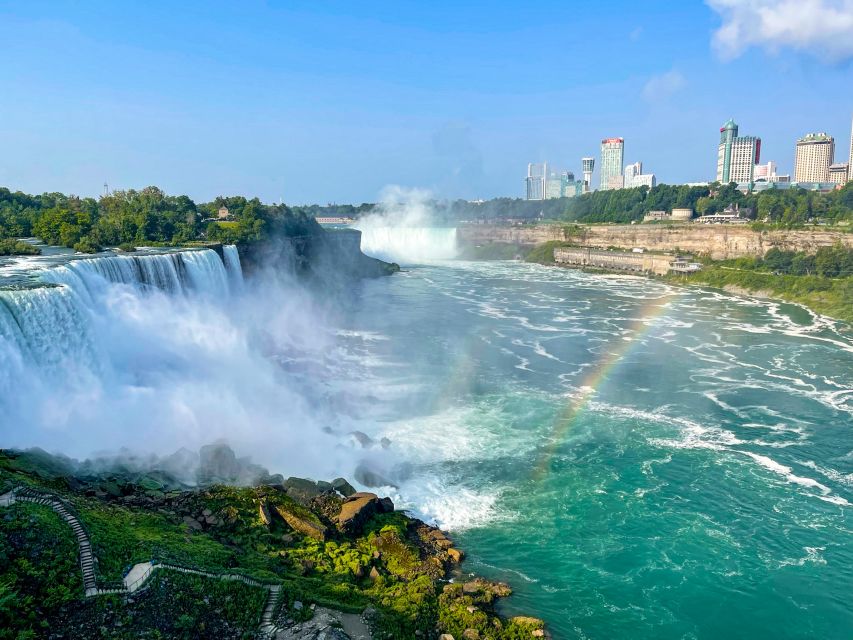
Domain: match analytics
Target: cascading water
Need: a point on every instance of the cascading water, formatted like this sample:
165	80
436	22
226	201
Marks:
232	265
409	245
48	324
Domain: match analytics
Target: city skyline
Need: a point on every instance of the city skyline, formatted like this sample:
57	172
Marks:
265	100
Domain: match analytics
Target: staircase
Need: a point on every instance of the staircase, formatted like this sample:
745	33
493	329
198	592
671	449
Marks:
143	570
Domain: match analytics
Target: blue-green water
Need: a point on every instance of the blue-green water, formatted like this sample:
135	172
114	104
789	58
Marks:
636	460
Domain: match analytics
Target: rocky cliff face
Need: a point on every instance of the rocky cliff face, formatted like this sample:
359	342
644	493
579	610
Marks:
328	256
719	242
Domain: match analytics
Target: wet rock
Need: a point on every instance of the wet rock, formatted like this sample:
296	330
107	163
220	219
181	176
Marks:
455	555
386	505
356	511
302	490
217	464
370	478
303	522
264	513
343	487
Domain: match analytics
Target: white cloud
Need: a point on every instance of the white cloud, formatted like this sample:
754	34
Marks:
660	87
821	27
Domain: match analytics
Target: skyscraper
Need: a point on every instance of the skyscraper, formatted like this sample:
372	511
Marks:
535	181
612	156
589	165
815	153
736	155
728	133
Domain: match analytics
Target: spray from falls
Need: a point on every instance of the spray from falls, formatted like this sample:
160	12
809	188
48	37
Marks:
404	230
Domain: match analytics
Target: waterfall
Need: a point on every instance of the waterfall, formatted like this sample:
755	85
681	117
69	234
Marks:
52	324
409	245
47	325
200	271
232	265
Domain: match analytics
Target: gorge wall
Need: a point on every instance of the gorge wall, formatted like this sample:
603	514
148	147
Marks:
720	242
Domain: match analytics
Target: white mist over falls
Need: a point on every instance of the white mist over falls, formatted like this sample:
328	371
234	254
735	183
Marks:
151	352
403	230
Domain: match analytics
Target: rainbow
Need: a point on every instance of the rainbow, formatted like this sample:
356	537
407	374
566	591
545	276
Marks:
598	374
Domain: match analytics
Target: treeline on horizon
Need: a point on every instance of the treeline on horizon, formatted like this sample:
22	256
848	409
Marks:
148	216
789	207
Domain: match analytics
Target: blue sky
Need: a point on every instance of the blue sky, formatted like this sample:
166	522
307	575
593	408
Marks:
333	101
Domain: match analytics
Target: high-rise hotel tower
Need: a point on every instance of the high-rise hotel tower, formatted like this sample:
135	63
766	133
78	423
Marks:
814	156
612	157
736	155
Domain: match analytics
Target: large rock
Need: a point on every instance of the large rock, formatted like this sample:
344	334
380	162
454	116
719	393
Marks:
218	465
343	487
301	521
358	509
302	490
370	478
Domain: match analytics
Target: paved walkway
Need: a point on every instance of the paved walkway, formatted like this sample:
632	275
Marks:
139	574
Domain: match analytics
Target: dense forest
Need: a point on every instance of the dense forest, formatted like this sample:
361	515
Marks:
147	216
790	207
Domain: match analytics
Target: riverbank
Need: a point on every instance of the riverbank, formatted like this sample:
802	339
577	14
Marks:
323	543
832	297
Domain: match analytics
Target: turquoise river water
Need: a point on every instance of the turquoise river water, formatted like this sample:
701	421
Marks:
636	460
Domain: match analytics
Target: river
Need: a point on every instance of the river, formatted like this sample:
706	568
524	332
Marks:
636	460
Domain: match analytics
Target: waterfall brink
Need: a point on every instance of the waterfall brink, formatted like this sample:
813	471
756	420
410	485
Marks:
409	245
50	325
200	271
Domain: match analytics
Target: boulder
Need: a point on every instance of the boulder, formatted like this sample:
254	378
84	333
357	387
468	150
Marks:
264	513
386	505
192	523
302	490
343	487
370	478
302	522
445	636
471	634
217	464
455	555
356	511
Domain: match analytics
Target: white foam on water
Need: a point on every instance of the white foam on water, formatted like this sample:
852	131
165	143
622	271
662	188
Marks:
787	473
452	507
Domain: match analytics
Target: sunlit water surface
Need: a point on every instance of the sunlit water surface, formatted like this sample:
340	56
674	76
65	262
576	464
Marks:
636	460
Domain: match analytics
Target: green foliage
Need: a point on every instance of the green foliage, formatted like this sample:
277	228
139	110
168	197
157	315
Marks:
38	569
12	247
823	282
148	216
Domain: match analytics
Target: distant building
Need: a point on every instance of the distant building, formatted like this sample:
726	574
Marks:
223	213
839	173
654	216
634	177
588	164
682	214
545	182
535	181
612	158
736	155
814	155
764	172
729	215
